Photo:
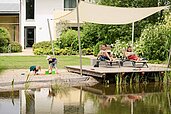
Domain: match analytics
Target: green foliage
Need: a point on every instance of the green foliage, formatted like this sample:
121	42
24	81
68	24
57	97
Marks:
44	44
16	47
69	38
94	33
45	48
4	33
96	48
3	49
87	51
42	48
155	41
119	47
42	51
4	40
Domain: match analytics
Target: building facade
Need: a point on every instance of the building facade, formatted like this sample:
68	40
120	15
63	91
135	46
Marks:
33	23
9	18
34	15
26	20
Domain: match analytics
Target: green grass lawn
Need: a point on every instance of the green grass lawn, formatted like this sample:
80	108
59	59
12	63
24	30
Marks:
24	62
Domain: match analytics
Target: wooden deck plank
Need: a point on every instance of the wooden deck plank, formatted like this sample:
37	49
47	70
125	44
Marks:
119	70
102	71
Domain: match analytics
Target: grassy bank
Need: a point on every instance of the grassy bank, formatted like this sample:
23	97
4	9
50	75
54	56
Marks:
24	62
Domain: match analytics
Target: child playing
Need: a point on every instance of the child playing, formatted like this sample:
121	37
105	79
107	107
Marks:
52	63
35	69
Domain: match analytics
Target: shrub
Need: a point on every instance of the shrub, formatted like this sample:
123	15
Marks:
69	38
45	48
118	48
4	33
87	51
44	44
96	48
4	40
16	47
4	49
155	41
38	51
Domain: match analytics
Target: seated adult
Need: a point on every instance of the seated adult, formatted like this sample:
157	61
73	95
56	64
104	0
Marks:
104	55
131	55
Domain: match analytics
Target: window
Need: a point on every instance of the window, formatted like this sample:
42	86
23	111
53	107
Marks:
69	4
29	9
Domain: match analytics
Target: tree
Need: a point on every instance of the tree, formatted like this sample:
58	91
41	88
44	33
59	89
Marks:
155	41
93	33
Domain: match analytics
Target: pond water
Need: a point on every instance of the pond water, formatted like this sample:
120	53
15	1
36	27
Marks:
154	98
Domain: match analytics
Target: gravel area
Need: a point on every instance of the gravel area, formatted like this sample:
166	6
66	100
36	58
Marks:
38	81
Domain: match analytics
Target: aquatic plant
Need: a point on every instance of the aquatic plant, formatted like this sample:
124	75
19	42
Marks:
59	89
12	93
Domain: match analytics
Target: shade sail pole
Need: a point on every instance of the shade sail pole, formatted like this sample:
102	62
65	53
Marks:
50	37
168	63
132	35
79	39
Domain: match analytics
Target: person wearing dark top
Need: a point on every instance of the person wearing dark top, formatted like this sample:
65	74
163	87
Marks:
52	63
35	69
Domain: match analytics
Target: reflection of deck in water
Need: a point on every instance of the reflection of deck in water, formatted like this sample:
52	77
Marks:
125	93
111	72
8	94
112	89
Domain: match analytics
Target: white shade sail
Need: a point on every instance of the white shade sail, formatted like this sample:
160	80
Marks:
109	15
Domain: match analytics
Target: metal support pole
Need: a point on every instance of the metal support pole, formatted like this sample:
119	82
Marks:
79	39
132	35
81	89
50	37
132	107
168	63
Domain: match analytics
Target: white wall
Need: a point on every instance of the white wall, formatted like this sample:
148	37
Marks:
43	10
9	1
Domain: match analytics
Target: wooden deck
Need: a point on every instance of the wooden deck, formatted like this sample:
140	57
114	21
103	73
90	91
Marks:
103	71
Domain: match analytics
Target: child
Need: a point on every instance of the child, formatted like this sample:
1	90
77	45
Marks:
52	63
35	69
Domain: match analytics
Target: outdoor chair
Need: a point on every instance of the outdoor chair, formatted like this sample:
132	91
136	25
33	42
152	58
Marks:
107	63
143	61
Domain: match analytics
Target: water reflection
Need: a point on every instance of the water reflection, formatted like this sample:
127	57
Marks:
131	99
97	99
30	101
9	103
